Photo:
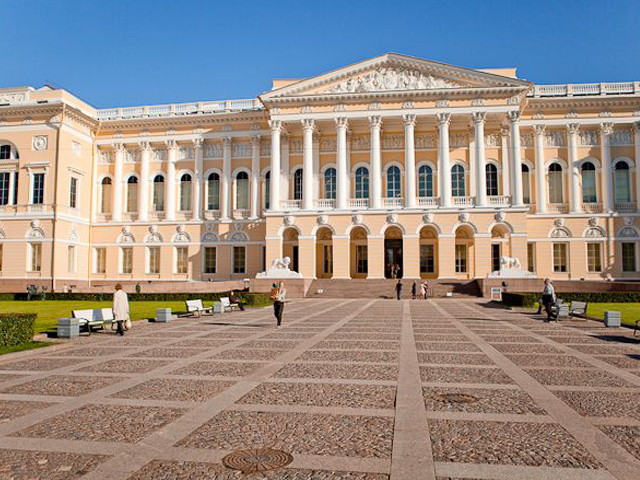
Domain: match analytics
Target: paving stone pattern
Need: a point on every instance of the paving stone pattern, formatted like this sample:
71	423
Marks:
503	394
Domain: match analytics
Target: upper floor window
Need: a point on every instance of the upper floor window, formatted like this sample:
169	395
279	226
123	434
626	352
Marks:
158	193
37	197
526	184
330	183
556	195
362	183
588	172
394	185
4	188
297	184
492	179
105	197
458	188
622	182
213	191
425	181
267	190
242	191
5	152
132	194
185	192
73	192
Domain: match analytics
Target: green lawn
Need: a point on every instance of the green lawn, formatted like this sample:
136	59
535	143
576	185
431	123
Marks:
630	311
24	346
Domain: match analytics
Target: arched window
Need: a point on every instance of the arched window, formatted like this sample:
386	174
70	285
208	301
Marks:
588	172
297	185
457	181
492	179
185	192
267	190
158	193
330	183
526	184
242	191
5	152
556	195
425	181
105	197
132	194
213	191
362	183
622	182
394	185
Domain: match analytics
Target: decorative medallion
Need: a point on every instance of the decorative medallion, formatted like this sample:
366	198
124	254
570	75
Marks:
628	220
392	218
357	219
500	216
256	460
322	219
427	217
559	222
463	217
593	221
40	142
289	220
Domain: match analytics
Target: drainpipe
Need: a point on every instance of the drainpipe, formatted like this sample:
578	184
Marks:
94	160
55	202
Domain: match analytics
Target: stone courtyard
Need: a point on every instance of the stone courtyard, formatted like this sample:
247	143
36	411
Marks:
351	389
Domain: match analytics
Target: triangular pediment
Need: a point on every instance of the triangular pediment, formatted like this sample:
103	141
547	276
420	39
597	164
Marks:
394	73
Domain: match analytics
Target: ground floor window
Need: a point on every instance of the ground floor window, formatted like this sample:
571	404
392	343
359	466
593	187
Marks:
126	260
264	259
362	265
182	259
531	257
1	252
71	259
209	259
239	257
427	259
35	257
594	257
154	260
327	259
461	259
560	258
629	257
100	260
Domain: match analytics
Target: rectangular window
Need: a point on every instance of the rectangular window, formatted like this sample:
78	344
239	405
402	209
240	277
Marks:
461	259
154	260
38	189
427	259
594	257
629	257
15	188
5	152
239	259
362	262
327	259
560	258
182	259
1	252
100	260
73	193
4	188
126	259
36	257
531	257
71	259
209	259
264	259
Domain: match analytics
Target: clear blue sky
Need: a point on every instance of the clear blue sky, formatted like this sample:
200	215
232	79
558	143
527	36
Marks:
118	53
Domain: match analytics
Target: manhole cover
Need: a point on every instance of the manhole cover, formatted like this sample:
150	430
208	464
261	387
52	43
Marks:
257	460
454	398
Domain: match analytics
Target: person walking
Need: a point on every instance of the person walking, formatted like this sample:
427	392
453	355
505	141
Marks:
120	308
424	290
278	295
399	288
549	299
414	290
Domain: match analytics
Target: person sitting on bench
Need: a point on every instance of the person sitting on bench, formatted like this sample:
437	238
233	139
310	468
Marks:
235	298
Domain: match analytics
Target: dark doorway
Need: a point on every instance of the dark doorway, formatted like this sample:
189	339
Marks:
495	257
393	258
295	259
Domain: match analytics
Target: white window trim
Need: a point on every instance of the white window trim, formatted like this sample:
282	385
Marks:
568	257
30	246
75	259
635	250
175	260
244	270
215	272
32	173
121	260
148	260
586	248
94	259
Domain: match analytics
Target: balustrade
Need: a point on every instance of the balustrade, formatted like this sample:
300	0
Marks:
290	204
184	215
359	202
428	202
325	203
464	201
392	202
592	207
626	207
241	213
557	208
212	214
499	200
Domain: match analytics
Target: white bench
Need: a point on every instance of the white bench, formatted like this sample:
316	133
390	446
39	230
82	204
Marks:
95	317
196	307
227	305
579	309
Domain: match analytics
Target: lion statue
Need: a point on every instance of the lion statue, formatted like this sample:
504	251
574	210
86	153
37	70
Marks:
509	262
281	263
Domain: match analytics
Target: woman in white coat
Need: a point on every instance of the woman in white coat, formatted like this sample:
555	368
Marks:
120	308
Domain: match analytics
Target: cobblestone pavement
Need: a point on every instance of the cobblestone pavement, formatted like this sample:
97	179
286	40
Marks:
352	389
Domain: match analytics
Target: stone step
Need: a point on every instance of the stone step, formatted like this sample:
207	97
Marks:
385	288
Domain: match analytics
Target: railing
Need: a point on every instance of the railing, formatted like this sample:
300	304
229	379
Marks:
427	201
626	207
103	217
499	199
557	208
290	204
184	215
392	202
129	217
14	209
359	202
569	90
325	203
241	213
592	207
463	201
156	216
211	214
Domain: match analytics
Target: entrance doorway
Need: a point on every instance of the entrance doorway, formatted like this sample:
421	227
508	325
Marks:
495	257
392	258
294	260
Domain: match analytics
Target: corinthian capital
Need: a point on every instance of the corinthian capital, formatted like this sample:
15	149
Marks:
308	124
198	142
119	147
171	144
636	126
606	128
514	116
539	129
226	142
375	121
342	122
573	128
144	145
409	119
255	140
276	126
444	118
479	117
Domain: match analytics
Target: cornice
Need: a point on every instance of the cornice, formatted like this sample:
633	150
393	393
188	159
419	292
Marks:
185	120
583	102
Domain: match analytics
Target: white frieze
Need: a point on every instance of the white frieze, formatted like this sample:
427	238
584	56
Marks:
393	141
554	139
186	153
425	140
14	97
459	140
212	150
132	156
588	138
526	140
360	143
492	140
265	149
240	150
391	78
621	137
106	157
159	154
327	144
296	145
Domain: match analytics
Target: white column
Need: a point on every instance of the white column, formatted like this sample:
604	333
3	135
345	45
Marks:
143	183
636	128
316	165
606	129
574	173
255	174
276	129
541	172
286	183
409	160
504	155
12	186
225	186
516	156
118	187
198	186
375	173
444	166
307	164
481	162
473	183
172	153
96	191
343	179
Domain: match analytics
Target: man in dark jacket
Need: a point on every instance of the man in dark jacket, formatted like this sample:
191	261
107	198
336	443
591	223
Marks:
399	288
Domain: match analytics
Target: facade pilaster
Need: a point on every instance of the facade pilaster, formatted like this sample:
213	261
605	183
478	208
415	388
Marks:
225	184
118	185
307	255
341	256
276	129
409	160
606	129
516	154
198	180
143	184
446	256
343	178
636	130
375	256
375	174
95	191
482	247
307	164
316	165
285	172
444	119
541	180
411	256
574	173
481	162
504	157
172	153
255	175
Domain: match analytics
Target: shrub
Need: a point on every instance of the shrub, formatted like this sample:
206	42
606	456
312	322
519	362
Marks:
250	299
531	299
16	328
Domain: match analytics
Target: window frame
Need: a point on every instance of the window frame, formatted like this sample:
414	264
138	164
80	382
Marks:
38	180
124	267
177	264
362	183
394	182
634	247
215	260
458	181
425	182
99	260
492	183
556	266
234	260
154	251
598	261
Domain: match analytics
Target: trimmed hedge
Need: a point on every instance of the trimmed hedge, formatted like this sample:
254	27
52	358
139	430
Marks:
531	299
16	328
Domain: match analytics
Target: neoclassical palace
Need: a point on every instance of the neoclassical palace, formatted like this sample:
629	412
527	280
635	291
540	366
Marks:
392	166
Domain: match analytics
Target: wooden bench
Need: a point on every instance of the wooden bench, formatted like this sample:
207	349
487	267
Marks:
578	309
196	308
227	305
96	317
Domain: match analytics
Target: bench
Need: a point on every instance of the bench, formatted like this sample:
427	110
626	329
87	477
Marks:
96	317
227	305
196	307
578	309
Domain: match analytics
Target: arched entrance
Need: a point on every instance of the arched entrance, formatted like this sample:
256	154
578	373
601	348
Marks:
464	252
393	252
290	247
499	246
428	252
324	253
359	253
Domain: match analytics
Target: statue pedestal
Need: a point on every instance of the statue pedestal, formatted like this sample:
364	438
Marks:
512	272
